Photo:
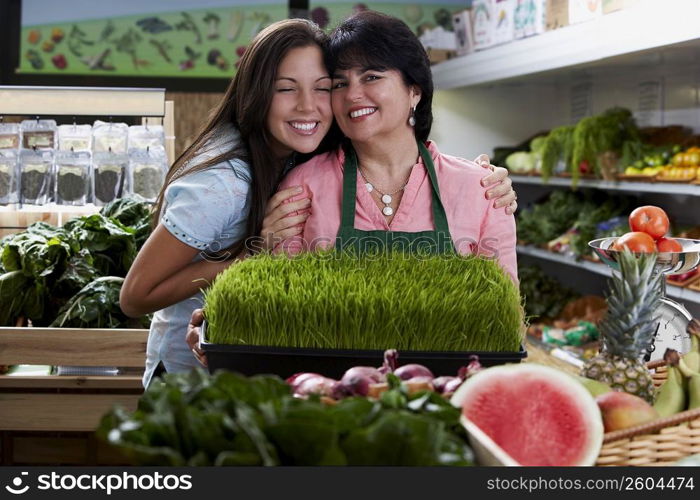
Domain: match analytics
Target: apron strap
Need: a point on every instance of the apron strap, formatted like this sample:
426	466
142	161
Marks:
350	190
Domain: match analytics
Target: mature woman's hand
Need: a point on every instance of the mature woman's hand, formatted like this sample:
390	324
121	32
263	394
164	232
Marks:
502	186
278	225
193	330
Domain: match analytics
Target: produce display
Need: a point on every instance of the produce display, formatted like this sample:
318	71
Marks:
608	146
71	275
628	327
649	225
81	164
370	381
387	300
227	419
681	390
543	296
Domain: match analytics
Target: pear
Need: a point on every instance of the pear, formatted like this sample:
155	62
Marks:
621	410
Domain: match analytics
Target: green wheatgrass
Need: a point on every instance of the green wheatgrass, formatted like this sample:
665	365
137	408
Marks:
333	300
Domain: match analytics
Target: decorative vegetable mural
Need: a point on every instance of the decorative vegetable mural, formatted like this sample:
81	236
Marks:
193	43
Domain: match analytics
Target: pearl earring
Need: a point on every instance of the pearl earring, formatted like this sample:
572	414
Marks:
412	117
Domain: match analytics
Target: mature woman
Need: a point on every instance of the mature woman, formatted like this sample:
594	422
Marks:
389	185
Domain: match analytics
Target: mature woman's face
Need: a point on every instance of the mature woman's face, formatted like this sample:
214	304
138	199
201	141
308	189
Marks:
300	113
370	104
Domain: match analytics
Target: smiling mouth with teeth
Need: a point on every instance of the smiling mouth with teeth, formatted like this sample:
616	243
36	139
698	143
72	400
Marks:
304	127
362	112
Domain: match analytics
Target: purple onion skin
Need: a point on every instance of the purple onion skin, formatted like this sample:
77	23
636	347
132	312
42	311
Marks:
452	385
296	379
369	372
316	385
390	361
409	371
355	385
441	382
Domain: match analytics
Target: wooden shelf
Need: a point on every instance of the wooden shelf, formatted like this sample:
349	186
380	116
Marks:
642	35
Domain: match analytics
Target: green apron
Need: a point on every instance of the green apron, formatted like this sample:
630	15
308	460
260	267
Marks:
437	241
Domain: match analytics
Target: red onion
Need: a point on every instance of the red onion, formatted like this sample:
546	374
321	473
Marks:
406	372
298	378
356	380
390	357
316	385
441	382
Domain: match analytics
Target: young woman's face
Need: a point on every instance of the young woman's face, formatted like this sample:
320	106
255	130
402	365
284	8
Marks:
369	104
300	113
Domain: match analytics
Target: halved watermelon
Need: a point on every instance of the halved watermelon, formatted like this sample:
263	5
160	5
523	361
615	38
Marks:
538	415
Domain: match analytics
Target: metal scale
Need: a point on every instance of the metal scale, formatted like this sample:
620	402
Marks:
673	317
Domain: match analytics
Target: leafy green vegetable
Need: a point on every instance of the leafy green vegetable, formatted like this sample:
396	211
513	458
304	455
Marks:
228	419
58	262
131	213
557	146
95	306
334	300
544	296
111	244
547	220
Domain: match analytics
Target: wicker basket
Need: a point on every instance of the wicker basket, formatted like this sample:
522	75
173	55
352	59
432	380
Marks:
657	443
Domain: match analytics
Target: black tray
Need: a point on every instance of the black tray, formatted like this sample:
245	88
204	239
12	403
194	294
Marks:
286	361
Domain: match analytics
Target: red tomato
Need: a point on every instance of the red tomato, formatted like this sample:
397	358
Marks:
668	245
636	242
649	219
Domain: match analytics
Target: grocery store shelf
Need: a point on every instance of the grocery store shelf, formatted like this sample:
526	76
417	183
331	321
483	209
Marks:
643	34
635	187
672	291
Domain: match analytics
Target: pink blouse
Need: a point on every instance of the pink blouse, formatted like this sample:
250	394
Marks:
475	226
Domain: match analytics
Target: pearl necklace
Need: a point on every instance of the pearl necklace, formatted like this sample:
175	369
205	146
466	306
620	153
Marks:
386	198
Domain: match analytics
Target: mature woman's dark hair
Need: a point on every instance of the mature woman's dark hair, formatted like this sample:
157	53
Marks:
245	106
373	40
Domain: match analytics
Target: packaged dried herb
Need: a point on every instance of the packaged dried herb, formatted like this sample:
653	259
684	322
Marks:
147	171
9	135
74	137
35	176
9	191
108	136
72	177
38	134
146	137
109	176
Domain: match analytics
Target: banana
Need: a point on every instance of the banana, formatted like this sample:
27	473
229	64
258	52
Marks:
692	357
593	386
694	392
671	397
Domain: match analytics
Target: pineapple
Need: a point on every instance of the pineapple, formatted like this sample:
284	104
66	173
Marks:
628	327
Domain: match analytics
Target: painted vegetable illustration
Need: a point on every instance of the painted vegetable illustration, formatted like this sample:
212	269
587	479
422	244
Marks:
34	59
57	35
59	60
212	21
34	36
153	25
163	47
320	16
235	25
77	41
188	24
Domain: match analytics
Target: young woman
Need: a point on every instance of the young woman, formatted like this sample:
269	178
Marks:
217	194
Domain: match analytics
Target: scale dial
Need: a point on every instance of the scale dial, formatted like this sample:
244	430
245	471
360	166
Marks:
671	331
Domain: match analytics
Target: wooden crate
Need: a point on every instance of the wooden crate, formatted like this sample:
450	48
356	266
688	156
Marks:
51	419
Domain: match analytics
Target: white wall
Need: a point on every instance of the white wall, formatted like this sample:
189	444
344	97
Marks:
473	120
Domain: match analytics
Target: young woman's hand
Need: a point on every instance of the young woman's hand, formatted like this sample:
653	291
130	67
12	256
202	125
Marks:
192	338
278	224
501	190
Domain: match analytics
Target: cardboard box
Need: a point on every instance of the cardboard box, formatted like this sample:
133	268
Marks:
613	5
581	11
557	15
503	30
483	15
529	17
439	55
462	24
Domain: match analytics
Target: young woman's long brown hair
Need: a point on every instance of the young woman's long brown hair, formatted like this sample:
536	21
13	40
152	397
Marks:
245	106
